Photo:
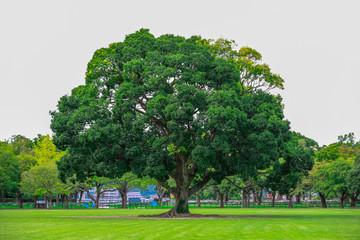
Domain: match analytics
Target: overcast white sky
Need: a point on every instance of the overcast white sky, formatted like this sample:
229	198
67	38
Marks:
314	45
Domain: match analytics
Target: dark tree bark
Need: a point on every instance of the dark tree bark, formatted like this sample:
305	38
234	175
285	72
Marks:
123	199
198	201
66	202
46	201
323	200
57	199
221	200
353	198
81	195
97	194
184	176
261	196
35	201
244	200
221	196
343	196
217	197
2	195
248	199
255	194
20	200
75	197
181	203
50	203
273	201
123	190
290	201
298	197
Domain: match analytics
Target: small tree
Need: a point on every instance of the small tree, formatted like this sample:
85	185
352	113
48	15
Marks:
41	180
8	170
129	182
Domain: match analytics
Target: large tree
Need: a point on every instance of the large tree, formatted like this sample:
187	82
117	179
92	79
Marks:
172	107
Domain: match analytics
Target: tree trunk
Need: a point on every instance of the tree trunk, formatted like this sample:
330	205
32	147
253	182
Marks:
35	201
81	195
255	194
244	200
273	201
2	195
353	198
298	197
71	197
46	203
57	199
198	201
261	196
323	200
97	194
20	200
66	202
97	202
343	196
221	200
248	199
290	201
184	174
123	194
181	202
50	202
75	196
217	197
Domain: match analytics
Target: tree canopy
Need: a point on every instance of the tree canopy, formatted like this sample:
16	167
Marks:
171	107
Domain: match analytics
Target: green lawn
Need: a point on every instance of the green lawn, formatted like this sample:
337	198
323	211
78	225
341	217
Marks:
279	224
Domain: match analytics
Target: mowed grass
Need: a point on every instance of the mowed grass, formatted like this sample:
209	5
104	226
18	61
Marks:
275	224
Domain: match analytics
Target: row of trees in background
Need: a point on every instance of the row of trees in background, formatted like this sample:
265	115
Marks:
29	168
335	175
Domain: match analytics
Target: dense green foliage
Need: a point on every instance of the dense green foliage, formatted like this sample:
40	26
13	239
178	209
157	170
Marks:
171	107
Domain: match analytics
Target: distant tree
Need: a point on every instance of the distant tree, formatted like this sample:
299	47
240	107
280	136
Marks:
129	182
100	186
353	181
41	180
45	151
8	170
297	160
331	172
24	151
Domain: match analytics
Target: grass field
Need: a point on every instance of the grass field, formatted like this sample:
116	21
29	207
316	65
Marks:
277	224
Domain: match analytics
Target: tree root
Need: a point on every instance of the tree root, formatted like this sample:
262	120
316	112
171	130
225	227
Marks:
172	214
